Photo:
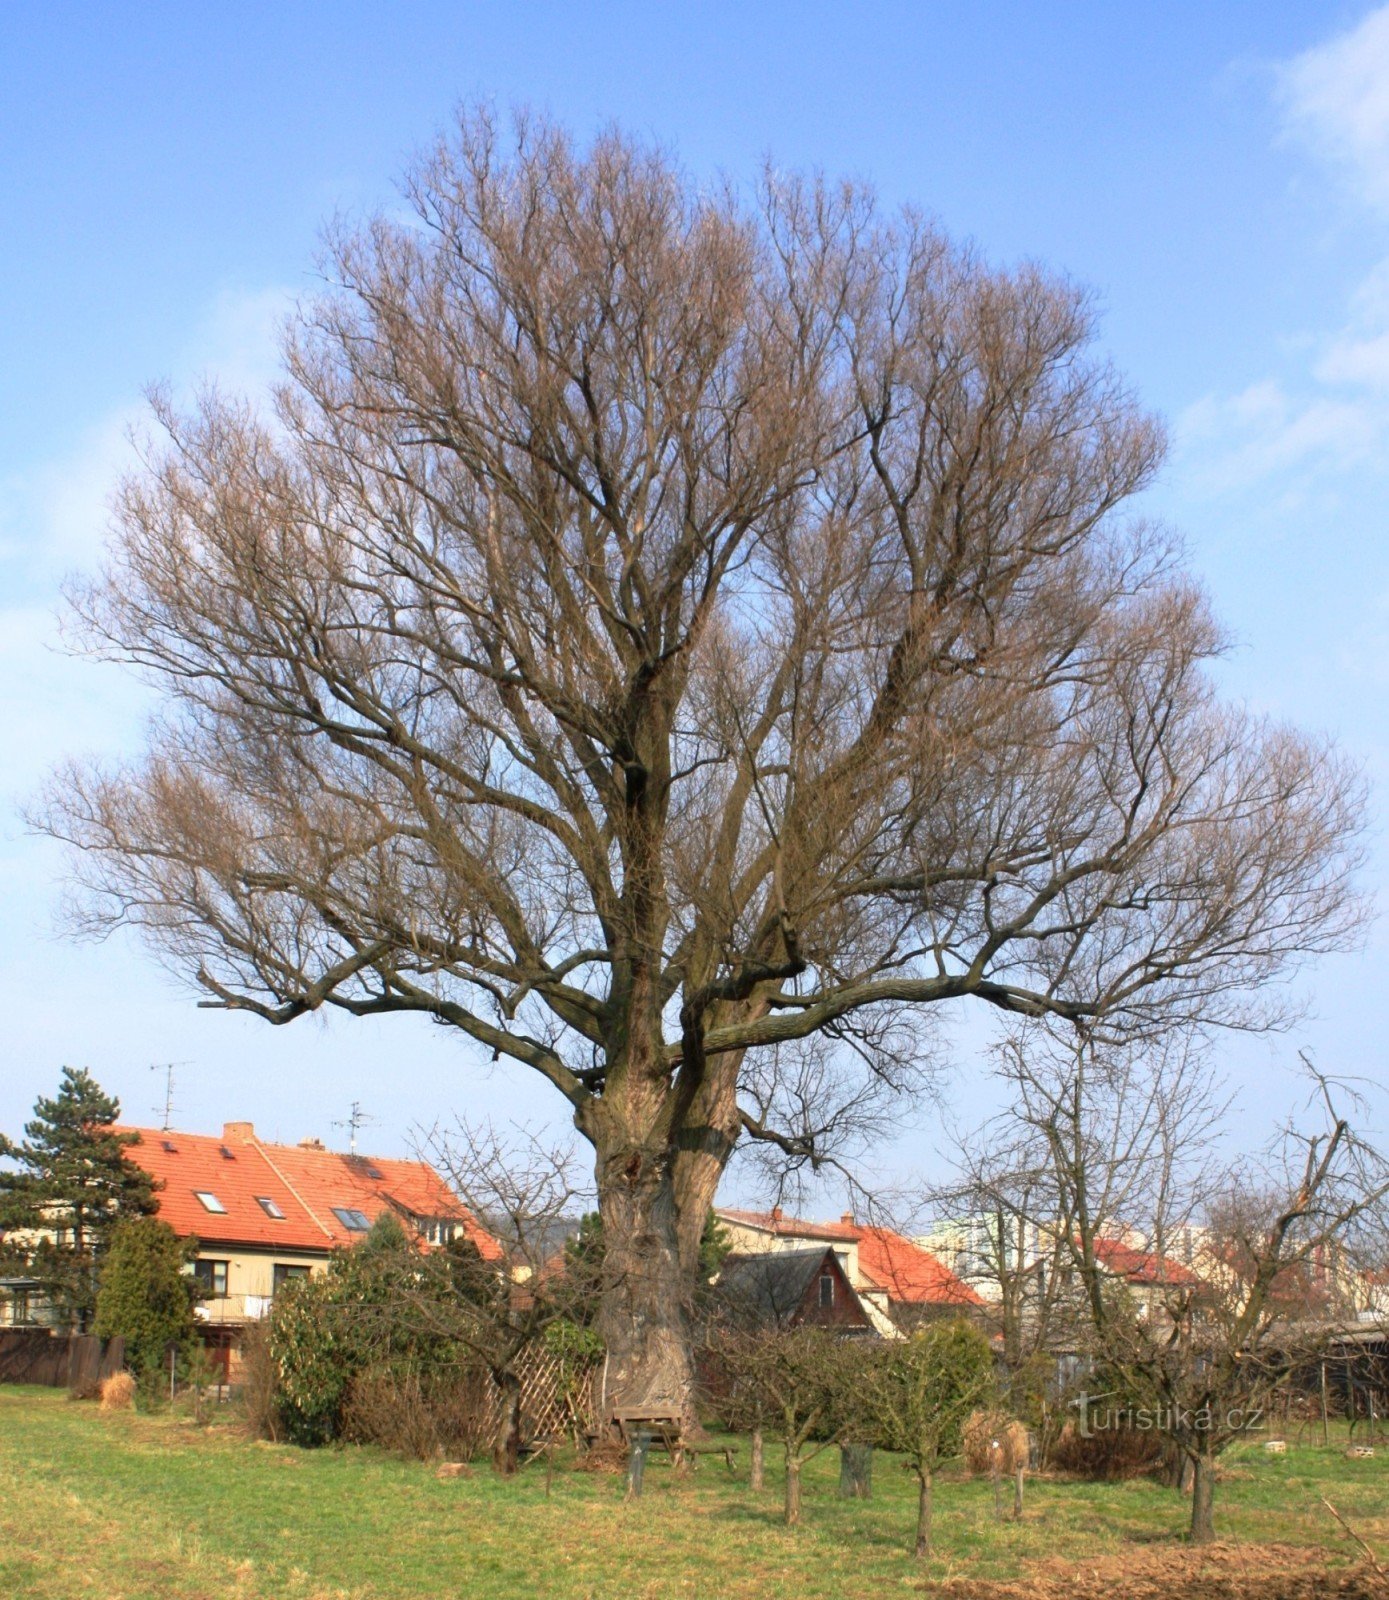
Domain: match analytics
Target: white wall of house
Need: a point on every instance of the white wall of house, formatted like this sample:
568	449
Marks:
249	1278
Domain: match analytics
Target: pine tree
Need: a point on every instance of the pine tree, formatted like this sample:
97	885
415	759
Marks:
71	1187
146	1297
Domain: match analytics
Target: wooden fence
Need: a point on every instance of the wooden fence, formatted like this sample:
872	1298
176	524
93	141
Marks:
59	1360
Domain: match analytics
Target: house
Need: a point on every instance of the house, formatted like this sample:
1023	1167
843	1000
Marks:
899	1283
792	1289
23	1304
1150	1277
264	1214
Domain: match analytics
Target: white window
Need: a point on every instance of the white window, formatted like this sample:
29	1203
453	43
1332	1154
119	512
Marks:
270	1207
210	1202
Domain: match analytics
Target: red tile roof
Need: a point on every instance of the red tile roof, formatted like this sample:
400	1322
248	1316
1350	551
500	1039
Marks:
904	1271
909	1274
304	1182
1141	1266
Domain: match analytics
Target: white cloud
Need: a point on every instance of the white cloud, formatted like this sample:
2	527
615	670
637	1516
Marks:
1330	412
1266	433
1336	100
54	515
53	519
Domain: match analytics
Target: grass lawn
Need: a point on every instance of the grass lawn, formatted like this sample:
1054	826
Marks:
124	1506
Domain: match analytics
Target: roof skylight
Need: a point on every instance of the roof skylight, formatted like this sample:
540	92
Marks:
270	1207
354	1221
210	1202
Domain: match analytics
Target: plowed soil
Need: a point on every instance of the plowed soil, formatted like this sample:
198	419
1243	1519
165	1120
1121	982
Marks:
1218	1572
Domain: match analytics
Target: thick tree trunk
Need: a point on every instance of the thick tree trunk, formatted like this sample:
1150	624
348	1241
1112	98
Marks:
923	1514
758	1461
1202	1500
654	1194
793	1490
644	1316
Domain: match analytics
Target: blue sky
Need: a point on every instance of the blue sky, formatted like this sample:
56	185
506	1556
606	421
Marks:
1219	175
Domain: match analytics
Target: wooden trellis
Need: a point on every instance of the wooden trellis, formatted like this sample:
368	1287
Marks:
558	1395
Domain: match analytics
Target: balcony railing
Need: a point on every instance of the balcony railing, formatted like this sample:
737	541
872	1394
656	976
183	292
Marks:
234	1308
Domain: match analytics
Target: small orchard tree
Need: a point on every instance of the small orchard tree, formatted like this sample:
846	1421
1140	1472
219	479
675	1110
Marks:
146	1297
1203	1347
69	1189
919	1392
501	1304
794	1379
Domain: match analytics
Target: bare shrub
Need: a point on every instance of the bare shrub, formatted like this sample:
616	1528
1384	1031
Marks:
257	1388
420	1416
1109	1455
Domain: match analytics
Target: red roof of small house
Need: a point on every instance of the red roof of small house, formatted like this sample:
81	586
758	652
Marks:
908	1273
1141	1266
306	1183
904	1271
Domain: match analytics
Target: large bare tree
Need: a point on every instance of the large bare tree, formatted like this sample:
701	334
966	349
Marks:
658	626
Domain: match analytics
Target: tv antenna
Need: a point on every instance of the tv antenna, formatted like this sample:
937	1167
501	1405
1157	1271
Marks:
358	1119
167	1068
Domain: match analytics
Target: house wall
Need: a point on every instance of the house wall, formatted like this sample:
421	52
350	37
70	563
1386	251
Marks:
250	1280
25	1308
250	1293
845	1311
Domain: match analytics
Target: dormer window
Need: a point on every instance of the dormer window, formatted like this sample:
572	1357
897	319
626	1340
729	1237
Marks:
210	1202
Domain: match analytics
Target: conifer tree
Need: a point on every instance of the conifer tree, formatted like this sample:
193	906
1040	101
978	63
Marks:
146	1297
70	1187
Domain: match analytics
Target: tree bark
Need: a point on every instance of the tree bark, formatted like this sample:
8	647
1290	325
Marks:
1202	1500
506	1451
756	1469
658	1167
923	1514
644	1312
793	1490
856	1472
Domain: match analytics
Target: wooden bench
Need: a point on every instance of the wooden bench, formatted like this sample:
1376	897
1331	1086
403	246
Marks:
667	1429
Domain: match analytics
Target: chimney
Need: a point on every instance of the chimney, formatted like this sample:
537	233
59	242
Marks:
311	1143
847	1217
776	1214
238	1132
